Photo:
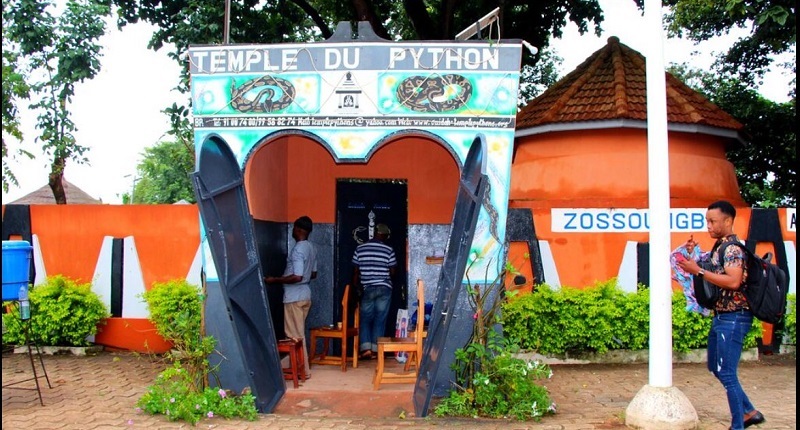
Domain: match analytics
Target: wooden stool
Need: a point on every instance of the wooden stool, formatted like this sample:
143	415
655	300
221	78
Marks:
297	368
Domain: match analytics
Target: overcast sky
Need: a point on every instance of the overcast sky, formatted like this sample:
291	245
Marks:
118	113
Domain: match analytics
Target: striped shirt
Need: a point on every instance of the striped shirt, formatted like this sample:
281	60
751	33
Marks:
374	259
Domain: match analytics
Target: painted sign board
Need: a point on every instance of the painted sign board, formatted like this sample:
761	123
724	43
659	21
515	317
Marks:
353	97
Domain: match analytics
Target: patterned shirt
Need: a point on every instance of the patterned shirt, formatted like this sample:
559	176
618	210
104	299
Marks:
729	300
374	259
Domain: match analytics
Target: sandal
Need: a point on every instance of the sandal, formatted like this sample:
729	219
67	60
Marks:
365	355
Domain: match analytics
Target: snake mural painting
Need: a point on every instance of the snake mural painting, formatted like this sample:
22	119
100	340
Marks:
434	93
266	88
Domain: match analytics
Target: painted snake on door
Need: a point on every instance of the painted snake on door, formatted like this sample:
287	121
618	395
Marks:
429	94
264	101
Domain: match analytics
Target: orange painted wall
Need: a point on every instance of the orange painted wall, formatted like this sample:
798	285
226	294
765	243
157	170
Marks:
166	236
303	174
295	175
585	258
608	168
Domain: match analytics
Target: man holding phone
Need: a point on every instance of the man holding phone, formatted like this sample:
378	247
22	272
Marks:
732	316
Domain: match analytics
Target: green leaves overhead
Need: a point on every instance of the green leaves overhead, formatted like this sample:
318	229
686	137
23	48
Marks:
55	48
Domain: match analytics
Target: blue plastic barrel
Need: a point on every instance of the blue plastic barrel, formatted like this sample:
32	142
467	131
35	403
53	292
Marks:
16	267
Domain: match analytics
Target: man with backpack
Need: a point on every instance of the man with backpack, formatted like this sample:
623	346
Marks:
732	315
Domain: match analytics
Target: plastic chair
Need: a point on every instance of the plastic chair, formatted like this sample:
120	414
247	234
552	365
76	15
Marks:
411	344
342	333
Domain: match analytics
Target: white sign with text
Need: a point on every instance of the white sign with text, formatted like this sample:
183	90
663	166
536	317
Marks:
623	220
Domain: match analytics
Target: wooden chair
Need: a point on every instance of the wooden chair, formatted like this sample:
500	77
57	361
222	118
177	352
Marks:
345	332
411	344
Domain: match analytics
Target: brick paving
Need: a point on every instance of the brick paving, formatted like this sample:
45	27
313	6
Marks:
100	392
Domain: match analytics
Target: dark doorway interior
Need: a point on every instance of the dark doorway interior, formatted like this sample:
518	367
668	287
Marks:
357	200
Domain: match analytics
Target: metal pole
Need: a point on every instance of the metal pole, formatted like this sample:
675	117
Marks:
133	188
227	27
659	200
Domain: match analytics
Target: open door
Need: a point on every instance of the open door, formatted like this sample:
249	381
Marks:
439	349
360	205
237	314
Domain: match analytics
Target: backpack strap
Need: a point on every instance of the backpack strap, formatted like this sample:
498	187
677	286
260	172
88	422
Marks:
748	255
724	246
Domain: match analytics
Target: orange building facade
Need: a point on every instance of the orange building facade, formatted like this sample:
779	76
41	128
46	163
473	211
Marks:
577	198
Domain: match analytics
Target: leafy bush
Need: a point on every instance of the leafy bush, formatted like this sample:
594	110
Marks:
180	392
63	313
790	325
176	312
173	395
490	381
689	329
600	318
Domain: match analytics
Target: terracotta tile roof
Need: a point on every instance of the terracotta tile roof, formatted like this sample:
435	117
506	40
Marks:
610	85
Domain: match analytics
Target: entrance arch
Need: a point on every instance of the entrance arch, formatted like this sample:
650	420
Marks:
291	174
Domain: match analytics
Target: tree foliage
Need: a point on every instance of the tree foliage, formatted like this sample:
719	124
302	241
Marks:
183	23
164	174
772	24
58	52
765	162
46	54
15	89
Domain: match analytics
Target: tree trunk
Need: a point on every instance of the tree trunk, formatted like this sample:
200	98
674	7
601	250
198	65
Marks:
365	12
56	180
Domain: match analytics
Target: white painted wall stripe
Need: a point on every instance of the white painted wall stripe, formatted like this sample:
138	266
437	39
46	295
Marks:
208	262
791	261
38	262
194	276
101	280
133	305
628	277
549	266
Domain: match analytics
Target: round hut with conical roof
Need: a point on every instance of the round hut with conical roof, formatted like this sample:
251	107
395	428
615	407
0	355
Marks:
581	150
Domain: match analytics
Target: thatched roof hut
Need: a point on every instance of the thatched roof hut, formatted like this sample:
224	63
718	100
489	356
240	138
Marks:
44	196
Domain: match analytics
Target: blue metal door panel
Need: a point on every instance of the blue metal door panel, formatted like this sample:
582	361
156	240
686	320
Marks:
228	226
440	345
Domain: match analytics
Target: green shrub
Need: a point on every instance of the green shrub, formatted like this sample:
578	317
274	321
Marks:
173	395
505	387
571	320
63	313
181	391
633	331
176	311
790	325
600	318
490	381
689	329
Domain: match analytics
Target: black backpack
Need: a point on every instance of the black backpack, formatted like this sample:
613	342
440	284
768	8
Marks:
766	286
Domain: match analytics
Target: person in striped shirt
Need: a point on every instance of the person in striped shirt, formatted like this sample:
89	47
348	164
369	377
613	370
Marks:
374	265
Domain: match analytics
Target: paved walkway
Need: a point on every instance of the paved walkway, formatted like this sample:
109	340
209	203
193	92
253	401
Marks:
100	392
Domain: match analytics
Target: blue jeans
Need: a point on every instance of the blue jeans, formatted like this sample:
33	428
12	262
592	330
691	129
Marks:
725	342
374	308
